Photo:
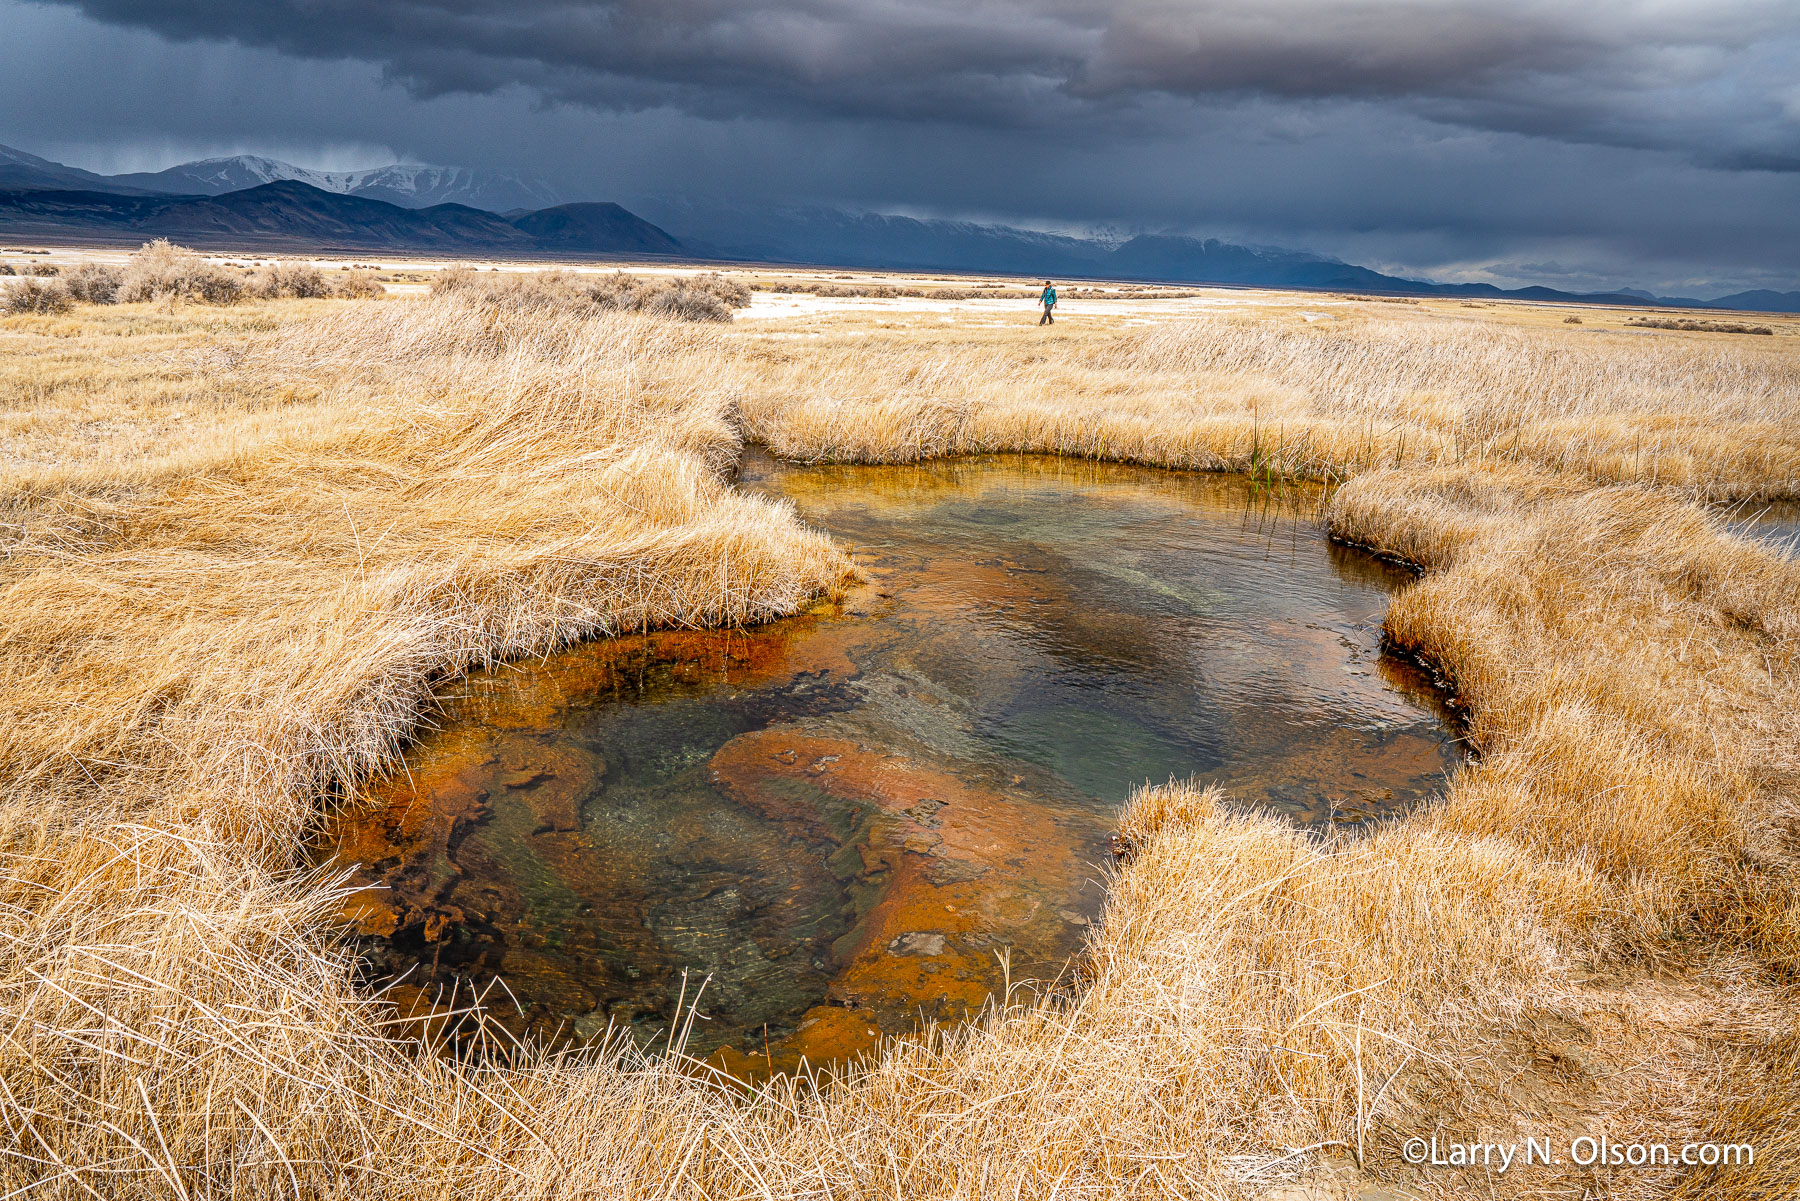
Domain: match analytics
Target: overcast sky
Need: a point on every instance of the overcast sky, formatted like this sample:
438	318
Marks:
1613	142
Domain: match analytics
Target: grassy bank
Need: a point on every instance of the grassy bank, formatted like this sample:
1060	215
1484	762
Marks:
241	544
1271	393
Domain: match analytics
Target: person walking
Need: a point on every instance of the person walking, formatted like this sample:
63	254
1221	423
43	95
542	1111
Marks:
1048	300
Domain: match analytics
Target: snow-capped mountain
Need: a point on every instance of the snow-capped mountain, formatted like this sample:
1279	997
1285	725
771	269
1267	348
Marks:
420	186
407	185
216	176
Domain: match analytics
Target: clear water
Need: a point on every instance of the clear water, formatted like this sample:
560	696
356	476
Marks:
871	814
1776	523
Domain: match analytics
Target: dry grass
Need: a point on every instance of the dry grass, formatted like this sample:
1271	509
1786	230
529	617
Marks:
359	283
1273	393
241	544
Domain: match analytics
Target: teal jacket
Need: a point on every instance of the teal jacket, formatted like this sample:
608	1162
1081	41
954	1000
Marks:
1049	296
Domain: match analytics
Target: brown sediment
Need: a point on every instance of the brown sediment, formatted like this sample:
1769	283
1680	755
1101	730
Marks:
499	768
951	886
948	874
452	772
538	694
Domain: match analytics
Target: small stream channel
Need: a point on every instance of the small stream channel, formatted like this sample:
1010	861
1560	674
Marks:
1774	523
865	816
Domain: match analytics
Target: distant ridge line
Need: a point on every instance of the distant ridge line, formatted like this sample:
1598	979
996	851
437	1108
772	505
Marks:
291	213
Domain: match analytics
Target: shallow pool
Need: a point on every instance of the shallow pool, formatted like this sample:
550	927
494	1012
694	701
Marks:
876	813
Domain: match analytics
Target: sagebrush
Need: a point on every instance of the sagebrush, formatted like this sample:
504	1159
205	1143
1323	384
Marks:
709	297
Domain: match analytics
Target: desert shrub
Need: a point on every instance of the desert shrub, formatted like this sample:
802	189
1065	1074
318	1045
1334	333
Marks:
729	291
6	269
687	303
360	284
289	281
616	291
94	283
710	297
526	292
303	282
882	291
453	280
33	295
1571	320
984	292
45	270
163	269
300	281
1705	327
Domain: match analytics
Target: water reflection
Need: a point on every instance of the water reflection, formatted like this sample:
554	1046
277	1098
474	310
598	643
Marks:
854	819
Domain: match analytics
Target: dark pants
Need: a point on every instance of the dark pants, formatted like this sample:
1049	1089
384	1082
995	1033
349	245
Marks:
1048	318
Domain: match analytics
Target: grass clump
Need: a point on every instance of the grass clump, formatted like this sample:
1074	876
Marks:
34	295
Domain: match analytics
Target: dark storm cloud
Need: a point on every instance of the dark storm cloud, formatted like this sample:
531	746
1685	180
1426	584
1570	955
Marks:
1637	142
1715	80
1390	48
977	61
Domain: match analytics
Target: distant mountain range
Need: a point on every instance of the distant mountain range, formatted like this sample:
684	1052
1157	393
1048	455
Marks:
21	170
247	202
409	186
818	235
294	216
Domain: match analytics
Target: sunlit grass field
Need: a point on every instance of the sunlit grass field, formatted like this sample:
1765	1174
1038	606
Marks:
242	545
